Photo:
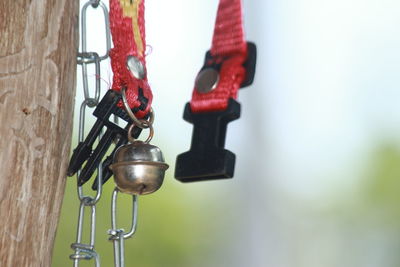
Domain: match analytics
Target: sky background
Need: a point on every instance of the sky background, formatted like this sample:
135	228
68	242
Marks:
317	146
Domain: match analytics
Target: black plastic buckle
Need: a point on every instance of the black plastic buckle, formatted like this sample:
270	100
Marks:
207	158
84	151
249	64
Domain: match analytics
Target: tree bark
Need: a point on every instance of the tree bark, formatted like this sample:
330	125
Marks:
38	44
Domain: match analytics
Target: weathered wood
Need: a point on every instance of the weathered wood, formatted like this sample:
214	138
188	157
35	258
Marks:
38	41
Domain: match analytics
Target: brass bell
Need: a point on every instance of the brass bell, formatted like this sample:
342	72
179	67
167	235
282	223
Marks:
138	168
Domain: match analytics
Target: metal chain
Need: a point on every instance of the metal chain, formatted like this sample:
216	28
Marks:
86	251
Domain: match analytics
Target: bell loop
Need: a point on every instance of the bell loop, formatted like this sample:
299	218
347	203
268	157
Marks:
131	139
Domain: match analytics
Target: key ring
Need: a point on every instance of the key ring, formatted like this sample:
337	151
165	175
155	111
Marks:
139	123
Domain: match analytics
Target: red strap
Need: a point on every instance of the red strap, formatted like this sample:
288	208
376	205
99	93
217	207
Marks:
128	34
228	48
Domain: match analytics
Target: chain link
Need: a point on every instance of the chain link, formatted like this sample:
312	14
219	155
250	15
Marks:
85	57
86	251
118	235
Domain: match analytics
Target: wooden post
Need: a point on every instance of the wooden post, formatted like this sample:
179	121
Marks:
38	42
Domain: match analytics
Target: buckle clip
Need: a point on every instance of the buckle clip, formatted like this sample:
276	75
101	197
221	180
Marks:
207	159
250	64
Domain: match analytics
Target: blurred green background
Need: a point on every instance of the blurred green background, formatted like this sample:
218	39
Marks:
317	172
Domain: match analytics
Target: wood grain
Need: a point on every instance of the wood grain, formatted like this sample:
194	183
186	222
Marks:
38	42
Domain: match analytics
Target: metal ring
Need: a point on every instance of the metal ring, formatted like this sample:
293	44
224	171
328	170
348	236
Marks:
151	132
139	123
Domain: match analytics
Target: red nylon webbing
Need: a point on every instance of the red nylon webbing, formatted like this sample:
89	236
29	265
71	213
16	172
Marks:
228	47
128	35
